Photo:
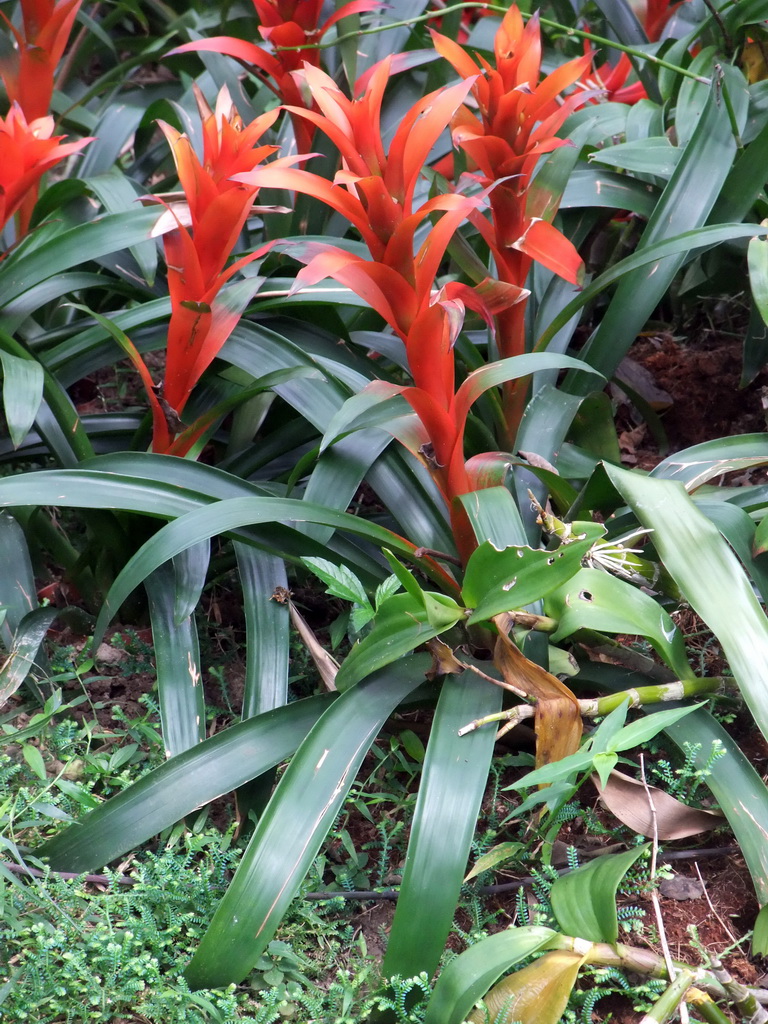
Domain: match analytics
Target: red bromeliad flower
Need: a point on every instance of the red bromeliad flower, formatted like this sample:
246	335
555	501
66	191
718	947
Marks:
609	82
517	116
284	24
29	71
657	14
28	75
375	191
207	223
27	151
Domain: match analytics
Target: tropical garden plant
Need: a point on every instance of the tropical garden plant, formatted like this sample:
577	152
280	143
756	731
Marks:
378	226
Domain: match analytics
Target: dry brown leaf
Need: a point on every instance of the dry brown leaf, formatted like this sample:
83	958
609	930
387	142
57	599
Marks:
558	716
444	661
325	664
627	799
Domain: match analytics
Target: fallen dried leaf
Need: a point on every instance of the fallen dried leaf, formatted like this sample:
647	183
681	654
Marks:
627	799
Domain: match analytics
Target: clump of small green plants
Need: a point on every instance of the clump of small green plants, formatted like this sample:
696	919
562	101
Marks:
93	949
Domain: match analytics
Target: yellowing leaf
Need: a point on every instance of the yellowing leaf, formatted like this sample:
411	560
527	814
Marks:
535	995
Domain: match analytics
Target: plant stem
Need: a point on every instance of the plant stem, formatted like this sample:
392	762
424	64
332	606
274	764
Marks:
596	707
665	1006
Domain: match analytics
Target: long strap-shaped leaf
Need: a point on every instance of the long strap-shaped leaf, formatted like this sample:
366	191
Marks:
99	237
293	826
266	660
451	790
267	629
80	488
685	203
738	789
177	659
709	574
192	779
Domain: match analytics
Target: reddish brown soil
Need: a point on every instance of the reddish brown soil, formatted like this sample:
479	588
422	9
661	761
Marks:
703	383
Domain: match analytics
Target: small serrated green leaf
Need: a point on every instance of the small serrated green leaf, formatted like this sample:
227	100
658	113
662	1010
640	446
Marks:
386	589
340	581
360	616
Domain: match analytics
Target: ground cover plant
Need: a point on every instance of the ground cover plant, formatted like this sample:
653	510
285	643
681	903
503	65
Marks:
372	274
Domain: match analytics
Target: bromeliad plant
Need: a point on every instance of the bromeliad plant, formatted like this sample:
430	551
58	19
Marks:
27	150
504	589
202	228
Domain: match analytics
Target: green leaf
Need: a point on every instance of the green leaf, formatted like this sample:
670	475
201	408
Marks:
760	933
494	516
294	824
604	764
404	577
177	658
737	527
757	262
647	257
467	977
34	759
340	581
22	394
385	590
738	789
499	854
589	187
451	790
696	465
117	194
72	247
584	901
266	628
643	729
400	625
709	575
497	581
24	650
685	203
593	599
17	581
191	569
185	782
655	156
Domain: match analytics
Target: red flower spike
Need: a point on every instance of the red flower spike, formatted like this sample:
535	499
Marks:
517	118
27	151
657	14
206	228
375	191
29	75
285	24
